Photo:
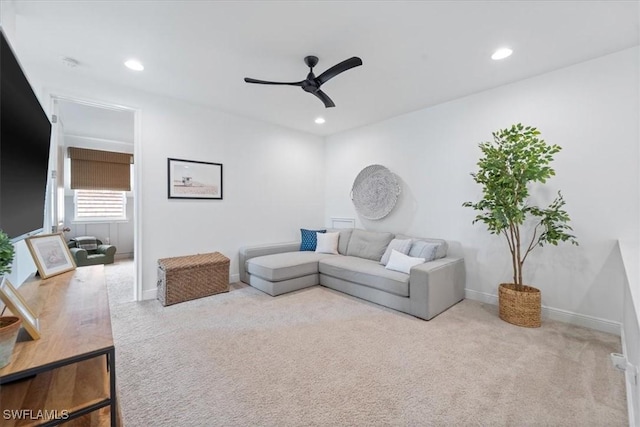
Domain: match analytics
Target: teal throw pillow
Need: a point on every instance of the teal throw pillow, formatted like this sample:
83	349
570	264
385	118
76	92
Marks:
309	240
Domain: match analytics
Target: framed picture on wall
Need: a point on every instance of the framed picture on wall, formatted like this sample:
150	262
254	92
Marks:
190	179
18	306
51	254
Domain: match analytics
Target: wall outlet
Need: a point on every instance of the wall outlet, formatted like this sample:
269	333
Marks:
107	240
620	363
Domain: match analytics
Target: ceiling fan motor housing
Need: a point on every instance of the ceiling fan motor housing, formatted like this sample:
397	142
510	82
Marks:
310	85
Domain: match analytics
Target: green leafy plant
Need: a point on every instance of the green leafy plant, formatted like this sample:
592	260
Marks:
6	253
514	159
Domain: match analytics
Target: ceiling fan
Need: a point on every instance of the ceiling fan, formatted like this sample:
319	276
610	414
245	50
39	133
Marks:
312	83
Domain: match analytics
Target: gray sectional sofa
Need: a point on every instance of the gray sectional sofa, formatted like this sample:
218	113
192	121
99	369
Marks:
429	288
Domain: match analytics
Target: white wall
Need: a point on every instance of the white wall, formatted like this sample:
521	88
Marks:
273	177
8	18
590	109
631	326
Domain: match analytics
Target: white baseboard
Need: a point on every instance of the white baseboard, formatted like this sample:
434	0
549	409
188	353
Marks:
153	293
481	296
149	294
590	322
631	388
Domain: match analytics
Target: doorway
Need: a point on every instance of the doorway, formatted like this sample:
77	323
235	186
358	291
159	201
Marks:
108	214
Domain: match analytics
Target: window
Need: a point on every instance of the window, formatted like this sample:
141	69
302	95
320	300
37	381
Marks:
100	205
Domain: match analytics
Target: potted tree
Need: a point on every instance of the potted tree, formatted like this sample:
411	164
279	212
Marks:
9	325
516	158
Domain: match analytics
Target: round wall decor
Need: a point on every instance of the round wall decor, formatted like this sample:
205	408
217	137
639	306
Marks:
375	192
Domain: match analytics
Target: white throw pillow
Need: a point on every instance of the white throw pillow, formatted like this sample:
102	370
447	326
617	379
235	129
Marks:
401	262
327	243
399	245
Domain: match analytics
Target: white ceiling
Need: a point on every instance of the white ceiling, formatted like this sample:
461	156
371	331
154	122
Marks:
415	54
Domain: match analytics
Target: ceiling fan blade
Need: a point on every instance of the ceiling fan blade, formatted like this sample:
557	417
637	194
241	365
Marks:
339	68
324	98
264	82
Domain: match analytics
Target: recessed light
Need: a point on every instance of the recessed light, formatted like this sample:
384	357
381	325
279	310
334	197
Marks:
501	53
320	120
134	64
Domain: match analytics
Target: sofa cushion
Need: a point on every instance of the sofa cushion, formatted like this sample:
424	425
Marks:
399	245
343	240
308	239
368	244
284	266
443	246
88	243
365	272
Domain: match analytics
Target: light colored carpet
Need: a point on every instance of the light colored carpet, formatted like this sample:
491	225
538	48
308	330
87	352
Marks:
317	357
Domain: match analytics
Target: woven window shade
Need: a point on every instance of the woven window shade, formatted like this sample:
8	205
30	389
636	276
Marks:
100	170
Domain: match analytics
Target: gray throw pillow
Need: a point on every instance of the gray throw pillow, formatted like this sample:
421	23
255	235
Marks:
368	244
443	246
422	249
399	245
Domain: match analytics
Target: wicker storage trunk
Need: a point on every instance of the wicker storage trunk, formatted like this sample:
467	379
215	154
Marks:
189	277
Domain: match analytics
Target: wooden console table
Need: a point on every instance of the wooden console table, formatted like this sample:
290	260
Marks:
69	372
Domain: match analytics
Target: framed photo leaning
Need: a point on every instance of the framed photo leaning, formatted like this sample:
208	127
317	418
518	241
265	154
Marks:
190	179
18	306
51	254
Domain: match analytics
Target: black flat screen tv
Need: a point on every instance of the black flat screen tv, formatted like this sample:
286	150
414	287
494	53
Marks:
25	137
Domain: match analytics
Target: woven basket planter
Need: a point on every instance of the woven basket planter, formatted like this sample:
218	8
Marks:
9	328
519	307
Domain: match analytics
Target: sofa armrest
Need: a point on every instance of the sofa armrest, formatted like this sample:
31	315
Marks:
436	285
108	250
248	252
79	254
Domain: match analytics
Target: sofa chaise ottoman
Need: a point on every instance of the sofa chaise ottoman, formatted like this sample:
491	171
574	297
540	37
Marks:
355	268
